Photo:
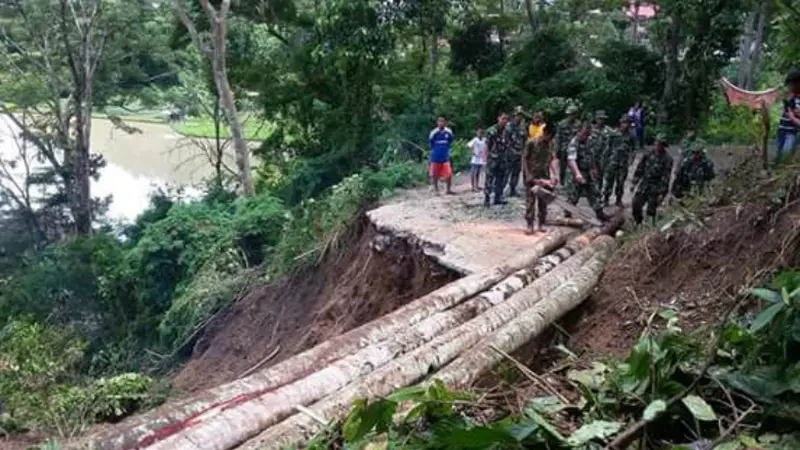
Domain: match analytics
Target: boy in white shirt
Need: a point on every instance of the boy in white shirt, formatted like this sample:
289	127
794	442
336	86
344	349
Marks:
478	147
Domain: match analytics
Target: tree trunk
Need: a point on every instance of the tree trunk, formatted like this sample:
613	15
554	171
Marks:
465	370
671	69
148	428
219	154
229	105
758	44
531	15
414	366
746	50
82	200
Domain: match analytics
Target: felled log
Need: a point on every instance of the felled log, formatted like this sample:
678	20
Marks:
468	367
414	366
151	428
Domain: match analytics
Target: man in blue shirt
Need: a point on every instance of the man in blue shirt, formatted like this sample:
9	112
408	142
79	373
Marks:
790	119
441	141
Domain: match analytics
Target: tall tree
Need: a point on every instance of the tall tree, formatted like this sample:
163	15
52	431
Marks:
56	50
216	51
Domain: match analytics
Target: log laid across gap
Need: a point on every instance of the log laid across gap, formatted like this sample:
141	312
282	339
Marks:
467	368
151	428
412	367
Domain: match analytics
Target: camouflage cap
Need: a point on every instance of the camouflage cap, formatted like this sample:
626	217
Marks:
519	110
661	137
699	146
600	114
572	109
625	118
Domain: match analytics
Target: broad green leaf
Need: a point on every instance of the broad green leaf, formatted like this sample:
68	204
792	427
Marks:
542	422
599	429
547	405
748	441
731	445
667	313
476	438
765	317
699	408
591	378
407	393
766	294
654	409
377	416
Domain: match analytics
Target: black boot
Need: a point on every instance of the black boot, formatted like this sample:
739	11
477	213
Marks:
498	200
513	193
486	202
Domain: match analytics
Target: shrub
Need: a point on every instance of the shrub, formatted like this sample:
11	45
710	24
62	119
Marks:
41	386
257	223
171	251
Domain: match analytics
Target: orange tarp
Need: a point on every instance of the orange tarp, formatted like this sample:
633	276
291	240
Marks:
753	99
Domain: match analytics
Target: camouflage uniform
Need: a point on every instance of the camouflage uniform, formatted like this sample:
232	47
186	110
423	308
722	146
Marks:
579	152
498	144
519	135
536	158
622	146
567	129
652	181
695	172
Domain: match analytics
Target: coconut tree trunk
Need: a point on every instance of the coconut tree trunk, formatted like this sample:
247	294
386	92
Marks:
414	366
279	404
151	427
465	370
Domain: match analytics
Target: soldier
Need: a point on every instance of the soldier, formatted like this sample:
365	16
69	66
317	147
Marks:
696	171
567	129
498	140
598	144
651	180
519	134
622	146
540	171
583	173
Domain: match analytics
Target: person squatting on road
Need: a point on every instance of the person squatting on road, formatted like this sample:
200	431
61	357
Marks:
540	177
583	173
498	143
441	140
621	150
651	180
696	171
478	148
519	134
567	129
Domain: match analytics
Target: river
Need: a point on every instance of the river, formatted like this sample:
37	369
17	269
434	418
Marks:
138	163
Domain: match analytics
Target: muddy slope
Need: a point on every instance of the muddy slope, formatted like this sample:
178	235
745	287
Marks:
369	276
697	267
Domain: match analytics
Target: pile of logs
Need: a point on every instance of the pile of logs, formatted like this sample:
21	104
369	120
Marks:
452	333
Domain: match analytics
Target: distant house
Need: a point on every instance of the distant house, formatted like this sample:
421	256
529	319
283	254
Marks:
640	14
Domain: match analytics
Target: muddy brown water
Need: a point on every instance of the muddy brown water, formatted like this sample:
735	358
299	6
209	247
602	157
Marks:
154	156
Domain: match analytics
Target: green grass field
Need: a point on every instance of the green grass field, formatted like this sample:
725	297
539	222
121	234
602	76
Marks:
255	128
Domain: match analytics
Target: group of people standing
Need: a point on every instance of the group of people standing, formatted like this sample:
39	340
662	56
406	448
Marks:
588	158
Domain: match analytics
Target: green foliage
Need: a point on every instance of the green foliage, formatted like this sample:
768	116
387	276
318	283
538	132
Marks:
42	389
732	125
257	223
315	225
